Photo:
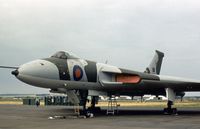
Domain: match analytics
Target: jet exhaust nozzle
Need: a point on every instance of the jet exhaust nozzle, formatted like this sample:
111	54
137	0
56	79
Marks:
15	72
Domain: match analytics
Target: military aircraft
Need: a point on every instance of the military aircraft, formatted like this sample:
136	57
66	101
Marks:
66	73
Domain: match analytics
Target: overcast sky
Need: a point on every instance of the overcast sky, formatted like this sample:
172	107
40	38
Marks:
124	32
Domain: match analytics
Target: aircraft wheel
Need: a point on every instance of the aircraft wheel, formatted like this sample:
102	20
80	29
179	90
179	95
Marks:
170	111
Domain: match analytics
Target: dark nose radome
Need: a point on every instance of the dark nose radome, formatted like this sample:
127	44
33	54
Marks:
16	72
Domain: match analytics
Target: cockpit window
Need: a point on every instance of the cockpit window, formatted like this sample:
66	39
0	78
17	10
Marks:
64	55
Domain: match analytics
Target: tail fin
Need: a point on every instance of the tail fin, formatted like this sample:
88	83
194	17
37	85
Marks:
155	65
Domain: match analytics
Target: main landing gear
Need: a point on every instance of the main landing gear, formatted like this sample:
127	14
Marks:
89	112
171	98
169	110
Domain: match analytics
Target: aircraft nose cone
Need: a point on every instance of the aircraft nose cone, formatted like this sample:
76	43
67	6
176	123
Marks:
39	69
15	72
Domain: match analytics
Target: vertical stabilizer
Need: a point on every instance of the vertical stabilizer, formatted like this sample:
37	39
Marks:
155	65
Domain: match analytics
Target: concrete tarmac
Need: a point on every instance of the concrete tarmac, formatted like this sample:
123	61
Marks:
31	117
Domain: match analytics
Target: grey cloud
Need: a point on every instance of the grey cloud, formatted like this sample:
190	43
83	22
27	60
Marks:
125	33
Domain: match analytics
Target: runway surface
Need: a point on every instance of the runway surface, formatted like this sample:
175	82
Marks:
31	117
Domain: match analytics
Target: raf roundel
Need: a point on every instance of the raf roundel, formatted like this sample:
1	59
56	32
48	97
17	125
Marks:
77	73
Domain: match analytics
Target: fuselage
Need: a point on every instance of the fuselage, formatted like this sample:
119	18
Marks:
63	71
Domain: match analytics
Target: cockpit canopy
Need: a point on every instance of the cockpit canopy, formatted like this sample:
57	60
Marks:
64	55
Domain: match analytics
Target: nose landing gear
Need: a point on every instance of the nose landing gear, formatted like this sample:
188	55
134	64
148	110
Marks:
90	111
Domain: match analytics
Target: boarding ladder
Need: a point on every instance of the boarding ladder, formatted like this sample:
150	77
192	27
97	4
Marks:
112	105
72	96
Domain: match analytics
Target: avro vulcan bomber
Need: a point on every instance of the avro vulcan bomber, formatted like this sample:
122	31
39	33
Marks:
79	78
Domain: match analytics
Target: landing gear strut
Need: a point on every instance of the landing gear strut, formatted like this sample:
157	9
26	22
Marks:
83	100
92	108
171	98
93	101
